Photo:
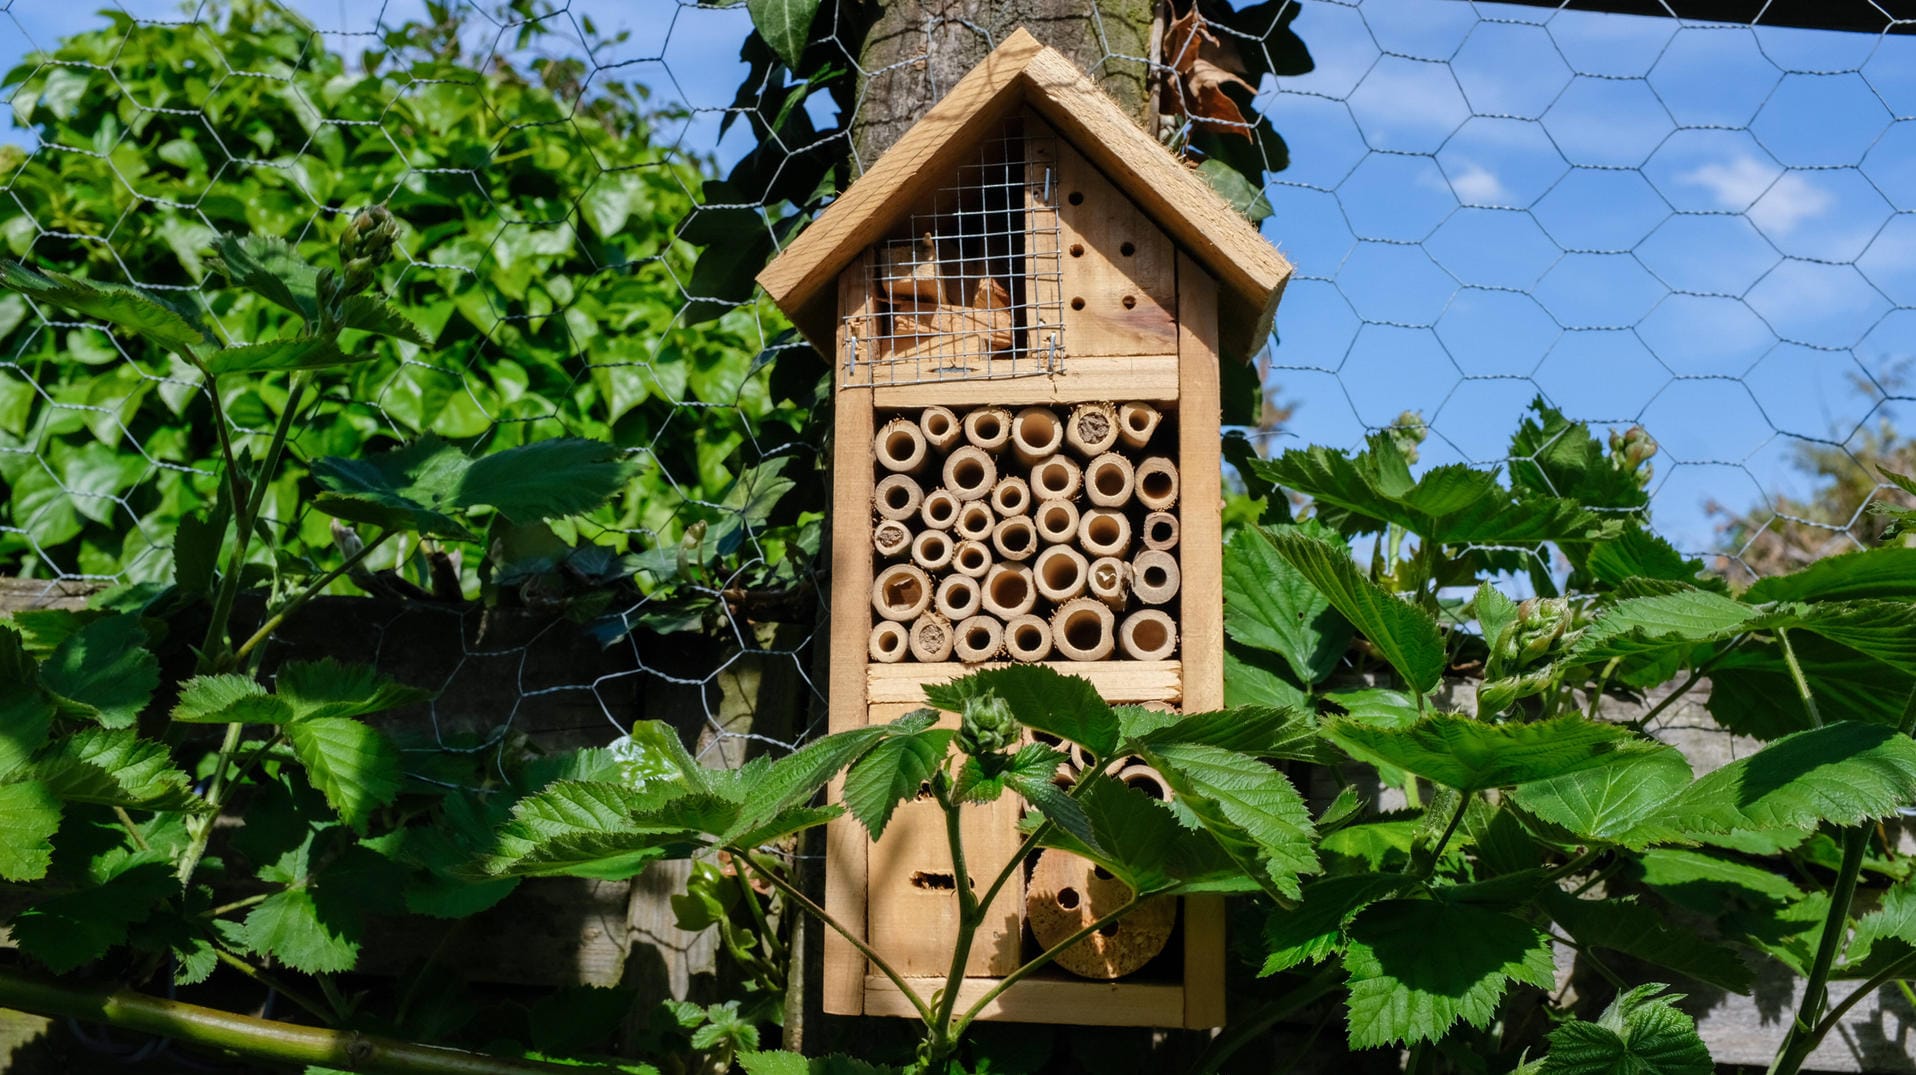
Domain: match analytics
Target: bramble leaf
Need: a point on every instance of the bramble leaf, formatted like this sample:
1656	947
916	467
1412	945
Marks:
329	688
29	816
1612	802
275	356
126	309
115	768
891	773
1893	919
65	931
1315	928
1642	932
1886	572
1248	806
289	927
1044	700
1640	1033
269	267
103	671
229	699
1269	605
355	766
1418	967
1406	637
1470	755
1843	773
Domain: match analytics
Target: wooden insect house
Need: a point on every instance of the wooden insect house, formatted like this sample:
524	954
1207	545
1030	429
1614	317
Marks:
1027	300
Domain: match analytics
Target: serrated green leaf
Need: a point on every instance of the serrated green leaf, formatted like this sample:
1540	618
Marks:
1642	932
891	773
1042	699
289	927
1708	883
425	486
26	713
1843	773
1269	605
355	766
1259	731
115	768
74	928
1248	806
103	671
1640	1033
1893	919
1314	929
367	313
783	1063
196	551
269	267
229	699
1406	637
330	688
1495	614
276	356
584	829
1612	802
1644	625
126	309
1639	554
785	823
1469	755
546	479
1058	807
1752	691
1553	456
792	780
1886	572
785	25
1418	967
1251	677
29	816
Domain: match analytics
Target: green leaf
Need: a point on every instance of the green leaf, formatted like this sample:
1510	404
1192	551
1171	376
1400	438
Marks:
581	829
1553	456
793	779
1315	928
29	816
785	823
274	356
269	267
1233	187
1612	802
289	926
1843	773
330	688
1406	637
546	479
115	768
196	552
355	766
426	485
1248	806
1256	730
229	699
1136	835
1640	1033
1418	967
785	25
1643	932
126	309
1042	699
1639	554
367	313
782	1063
1893	919
1049	799
1495	614
891	773
1469	755
67	931
1251	677
1269	605
26	713
1644	625
1753	693
1886	572
103	671
1707	883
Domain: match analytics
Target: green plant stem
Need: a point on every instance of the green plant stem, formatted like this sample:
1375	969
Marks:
1242	1031
1443	841
274	621
1596	689
1616	980
1895	972
968	915
225	909
813	909
213	657
132	830
263	1040
311	1007
1669	700
199	829
1579	861
759	923
1796	675
1038	963
1804	1033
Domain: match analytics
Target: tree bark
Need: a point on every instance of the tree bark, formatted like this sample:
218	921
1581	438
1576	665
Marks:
916	50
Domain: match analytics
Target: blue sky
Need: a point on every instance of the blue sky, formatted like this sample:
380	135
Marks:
1709	230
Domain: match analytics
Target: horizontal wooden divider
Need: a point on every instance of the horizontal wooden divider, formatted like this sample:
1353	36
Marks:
1119	682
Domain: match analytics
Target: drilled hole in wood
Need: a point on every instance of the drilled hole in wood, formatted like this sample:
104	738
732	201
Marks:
937	882
1109	929
1130	302
1076	197
1102	873
1077	250
1068	898
1077	302
1127	248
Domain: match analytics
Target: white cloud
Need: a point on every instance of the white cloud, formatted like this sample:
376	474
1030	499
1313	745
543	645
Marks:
1775	204
1477	185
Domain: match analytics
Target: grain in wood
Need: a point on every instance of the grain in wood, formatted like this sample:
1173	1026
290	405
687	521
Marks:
901	592
970	473
1118	682
930	638
1110	581
1060	573
1154	576
1057	521
908	270
891	538
1160	531
1027	638
988	428
1009	591
1092	429
1036	433
1015	539
975	521
1056	477
932	550
971	558
890	642
959	597
1157	483
980	638
1081	629
1011	497
900	447
940	427
1105	532
1148	635
1066	893
940	509
1137	422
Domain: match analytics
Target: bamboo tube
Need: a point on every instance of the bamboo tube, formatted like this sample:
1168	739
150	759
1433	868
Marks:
1011	496
979	639
900	446
1136	423
971	558
1148	635
959	597
1104	532
970	473
1154	576
901	592
1056	477
939	510
1160	531
889	642
1108	480
931	638
988	428
1092	428
1067	893
940	427
1009	591
1110	581
1157	483
891	538
975	520
1081	629
1141	777
1059	573
931	549
1036	433
1016	539
897	496
1057	521
1028	638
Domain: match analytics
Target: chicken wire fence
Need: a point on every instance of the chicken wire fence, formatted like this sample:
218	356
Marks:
1705	229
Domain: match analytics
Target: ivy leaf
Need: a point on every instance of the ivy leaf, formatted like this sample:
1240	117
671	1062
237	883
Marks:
785	25
1843	773
1314	929
1640	1033
1042	699
891	773
274	356
269	267
1406	637
1418	967
1612	802
1253	811
1469	755
330	688
1270	606
289	927
127	309
1641	932
103	671
115	768
355	766
229	699
425	485
29	816
67	931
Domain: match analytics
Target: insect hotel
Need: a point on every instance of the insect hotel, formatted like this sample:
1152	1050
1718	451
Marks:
1026	300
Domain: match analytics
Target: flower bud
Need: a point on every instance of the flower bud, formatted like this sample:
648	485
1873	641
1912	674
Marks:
987	726
366	244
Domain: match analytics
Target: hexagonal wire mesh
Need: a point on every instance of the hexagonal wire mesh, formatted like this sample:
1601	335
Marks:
1705	229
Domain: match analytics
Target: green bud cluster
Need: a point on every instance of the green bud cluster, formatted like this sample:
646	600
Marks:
1407	432
1541	623
1631	450
988	726
366	244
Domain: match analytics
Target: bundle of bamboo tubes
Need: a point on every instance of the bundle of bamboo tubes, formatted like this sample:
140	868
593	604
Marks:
1027	534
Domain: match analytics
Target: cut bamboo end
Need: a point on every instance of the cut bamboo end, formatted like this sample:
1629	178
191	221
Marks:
1027	638
932	549
1108	480
891	538
1092	428
889	642
970	473
1148	635
1009	590
1011	496
1160	531
1157	483
1081	629
988	428
940	509
1059	573
1066	894
1056	520
1104	532
931	638
959	597
940	427
1016	539
1136	423
1110	581
897	496
1036	433
1057	477
979	638
975	520
901	592
900	446
971	558
1154	576
1143	778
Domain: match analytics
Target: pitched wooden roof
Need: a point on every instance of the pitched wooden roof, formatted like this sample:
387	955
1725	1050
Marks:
1022	72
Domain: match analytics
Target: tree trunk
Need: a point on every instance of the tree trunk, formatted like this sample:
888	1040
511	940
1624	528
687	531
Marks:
916	50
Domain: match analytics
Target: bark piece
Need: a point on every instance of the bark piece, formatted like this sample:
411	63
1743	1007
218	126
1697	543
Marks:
1066	894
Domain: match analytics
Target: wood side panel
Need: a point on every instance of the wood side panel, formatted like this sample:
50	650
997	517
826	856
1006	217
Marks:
1117	681
1201	556
1114	303
1151	378
851	623
1045	999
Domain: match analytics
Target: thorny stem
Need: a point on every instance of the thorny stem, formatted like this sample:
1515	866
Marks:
318	586
750	896
312	1008
200	829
